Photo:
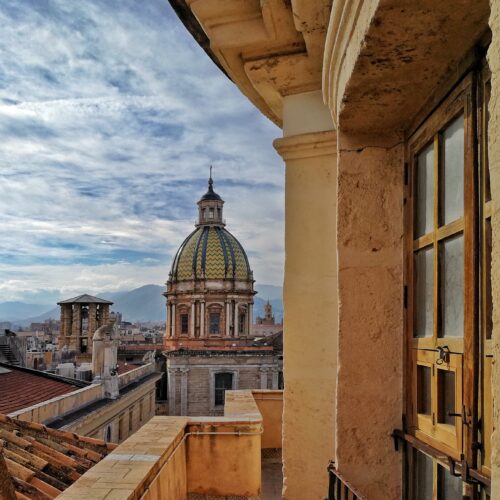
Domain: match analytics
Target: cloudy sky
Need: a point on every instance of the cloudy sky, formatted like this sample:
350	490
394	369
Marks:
110	115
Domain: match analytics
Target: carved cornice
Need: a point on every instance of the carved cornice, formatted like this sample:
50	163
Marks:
343	19
268	48
307	145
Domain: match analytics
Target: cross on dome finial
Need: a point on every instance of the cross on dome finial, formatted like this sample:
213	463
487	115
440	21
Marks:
210	181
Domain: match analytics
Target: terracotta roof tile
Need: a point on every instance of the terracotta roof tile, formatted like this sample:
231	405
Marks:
37	462
20	389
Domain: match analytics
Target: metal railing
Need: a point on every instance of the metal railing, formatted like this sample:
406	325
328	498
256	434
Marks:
339	488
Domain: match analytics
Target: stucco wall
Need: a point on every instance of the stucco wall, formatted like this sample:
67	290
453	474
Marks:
494	161
370	256
270	405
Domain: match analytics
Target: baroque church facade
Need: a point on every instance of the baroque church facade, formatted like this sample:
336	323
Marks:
209	342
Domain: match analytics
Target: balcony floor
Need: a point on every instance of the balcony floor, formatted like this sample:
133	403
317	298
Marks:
272	481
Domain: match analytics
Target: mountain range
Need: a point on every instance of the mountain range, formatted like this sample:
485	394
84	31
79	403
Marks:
142	304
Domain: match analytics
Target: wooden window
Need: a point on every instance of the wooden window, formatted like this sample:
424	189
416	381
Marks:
485	397
441	243
448	276
223	382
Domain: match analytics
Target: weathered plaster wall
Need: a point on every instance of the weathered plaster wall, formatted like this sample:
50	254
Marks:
494	161
370	257
310	323
270	405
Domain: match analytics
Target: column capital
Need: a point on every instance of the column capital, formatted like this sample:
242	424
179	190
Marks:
309	145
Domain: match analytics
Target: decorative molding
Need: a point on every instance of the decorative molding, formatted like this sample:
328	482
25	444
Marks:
307	145
343	19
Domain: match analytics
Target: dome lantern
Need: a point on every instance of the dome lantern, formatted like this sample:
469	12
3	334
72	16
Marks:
210	206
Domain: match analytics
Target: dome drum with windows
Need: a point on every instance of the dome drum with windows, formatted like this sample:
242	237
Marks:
210	285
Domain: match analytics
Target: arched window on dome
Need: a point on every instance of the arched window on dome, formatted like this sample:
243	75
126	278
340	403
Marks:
210	213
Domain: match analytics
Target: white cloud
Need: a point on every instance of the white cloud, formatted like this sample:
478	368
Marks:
109	116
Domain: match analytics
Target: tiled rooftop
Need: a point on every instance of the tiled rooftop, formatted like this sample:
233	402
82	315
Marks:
39	462
23	388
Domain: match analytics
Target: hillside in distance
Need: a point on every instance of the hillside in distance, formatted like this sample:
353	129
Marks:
142	304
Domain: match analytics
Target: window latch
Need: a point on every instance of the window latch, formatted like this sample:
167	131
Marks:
462	415
443	355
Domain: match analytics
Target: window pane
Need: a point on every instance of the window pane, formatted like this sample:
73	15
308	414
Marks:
449	487
424	197
422	476
452	172
452	287
424	389
223	382
184	323
446	397
424	292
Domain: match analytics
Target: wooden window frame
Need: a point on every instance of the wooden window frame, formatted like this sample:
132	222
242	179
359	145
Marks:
469	357
485	411
461	101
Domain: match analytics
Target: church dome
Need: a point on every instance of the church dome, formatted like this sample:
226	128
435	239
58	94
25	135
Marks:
211	252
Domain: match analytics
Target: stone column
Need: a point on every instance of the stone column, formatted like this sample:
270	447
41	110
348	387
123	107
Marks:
173	322
250	320
92	324
76	329
171	391
103	314
275	378
193	317
66	323
202	319
228	318
236	332
184	391
169	317
310	294
263	377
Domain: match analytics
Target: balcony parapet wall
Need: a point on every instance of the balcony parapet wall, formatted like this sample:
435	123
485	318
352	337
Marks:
61	405
137	373
182	457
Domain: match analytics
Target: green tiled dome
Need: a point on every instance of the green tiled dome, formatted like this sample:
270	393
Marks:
210	252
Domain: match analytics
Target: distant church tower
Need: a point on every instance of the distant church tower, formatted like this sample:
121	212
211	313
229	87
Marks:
210	286
80	317
268	318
